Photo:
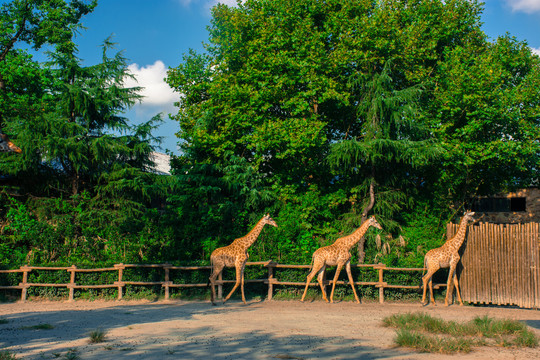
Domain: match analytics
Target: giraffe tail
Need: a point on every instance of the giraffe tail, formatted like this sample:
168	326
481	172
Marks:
312	260
211	270
422	278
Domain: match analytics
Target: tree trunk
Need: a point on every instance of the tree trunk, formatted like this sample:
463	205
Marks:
367	209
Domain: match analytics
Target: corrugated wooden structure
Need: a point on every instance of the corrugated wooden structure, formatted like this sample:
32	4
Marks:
500	264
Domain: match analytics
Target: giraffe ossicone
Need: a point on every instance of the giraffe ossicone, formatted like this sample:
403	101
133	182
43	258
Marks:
236	255
338	254
446	256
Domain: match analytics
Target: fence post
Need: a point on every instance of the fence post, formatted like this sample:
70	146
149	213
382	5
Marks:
381	267
24	285
120	268
71	284
167	282
270	278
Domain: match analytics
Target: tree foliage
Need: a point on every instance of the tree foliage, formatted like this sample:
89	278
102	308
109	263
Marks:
361	103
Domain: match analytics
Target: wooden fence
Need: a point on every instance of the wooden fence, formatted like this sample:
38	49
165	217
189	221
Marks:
500	264
166	284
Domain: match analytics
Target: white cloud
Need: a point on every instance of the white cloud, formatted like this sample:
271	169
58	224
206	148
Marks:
155	90
536	51
527	6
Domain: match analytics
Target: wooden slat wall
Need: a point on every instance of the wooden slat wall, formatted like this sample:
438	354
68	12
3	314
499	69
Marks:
500	264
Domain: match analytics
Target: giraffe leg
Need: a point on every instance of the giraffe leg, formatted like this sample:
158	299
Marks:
456	285
215	272
308	280
449	289
316	268
320	279
349	274
242	283
238	278
427	281
338	270
431	297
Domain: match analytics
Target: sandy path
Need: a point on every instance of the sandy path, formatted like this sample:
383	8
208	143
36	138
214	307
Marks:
258	330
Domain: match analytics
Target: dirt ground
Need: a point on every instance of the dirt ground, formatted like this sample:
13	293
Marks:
258	330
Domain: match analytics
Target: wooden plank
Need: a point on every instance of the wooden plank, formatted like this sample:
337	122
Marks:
536	240
190	267
464	279
93	270
536	246
521	260
495	265
526	266
94	286
507	271
186	285
528	250
521	263
500	268
530	255
515	267
475	244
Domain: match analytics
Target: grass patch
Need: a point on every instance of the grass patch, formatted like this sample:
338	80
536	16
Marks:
38	327
428	334
6	355
97	336
72	354
433	344
3	321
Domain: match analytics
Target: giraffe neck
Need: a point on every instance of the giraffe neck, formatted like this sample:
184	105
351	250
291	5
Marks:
459	237
248	240
350	240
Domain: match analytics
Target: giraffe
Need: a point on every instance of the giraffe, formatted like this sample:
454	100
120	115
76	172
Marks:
7	146
337	254
446	256
236	255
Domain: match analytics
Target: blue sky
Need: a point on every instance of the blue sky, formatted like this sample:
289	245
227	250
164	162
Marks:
154	34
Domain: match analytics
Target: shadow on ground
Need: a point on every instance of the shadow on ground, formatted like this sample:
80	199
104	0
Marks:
179	334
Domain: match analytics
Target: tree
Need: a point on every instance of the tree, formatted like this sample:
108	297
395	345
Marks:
86	135
388	145
36	23
485	113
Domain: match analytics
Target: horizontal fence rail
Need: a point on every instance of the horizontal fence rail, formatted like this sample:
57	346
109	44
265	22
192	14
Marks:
167	284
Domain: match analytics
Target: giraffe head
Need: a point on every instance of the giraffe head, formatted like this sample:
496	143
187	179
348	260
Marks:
373	222
7	146
469	216
268	220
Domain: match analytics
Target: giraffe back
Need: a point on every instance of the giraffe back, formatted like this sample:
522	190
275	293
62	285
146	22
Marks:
332	254
226	255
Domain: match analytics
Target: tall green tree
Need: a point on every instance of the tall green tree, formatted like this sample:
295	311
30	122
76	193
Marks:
485	110
86	134
36	23
380	157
